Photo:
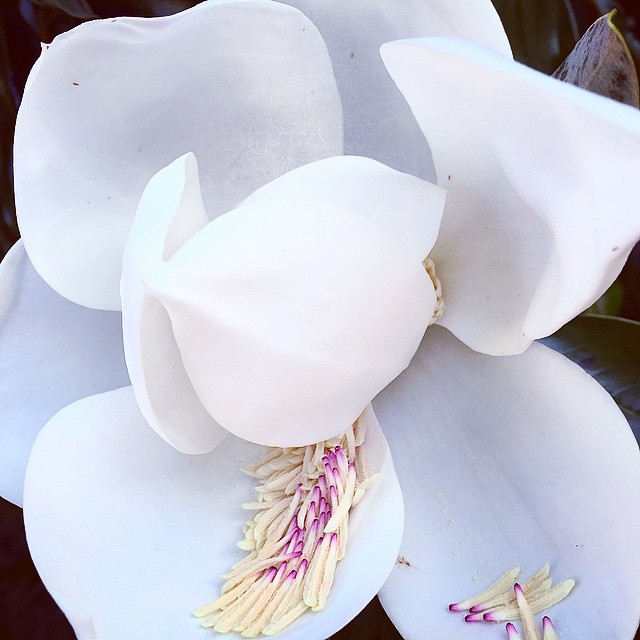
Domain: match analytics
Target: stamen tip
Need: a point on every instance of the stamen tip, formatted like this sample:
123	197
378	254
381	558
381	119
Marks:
488	617
473	617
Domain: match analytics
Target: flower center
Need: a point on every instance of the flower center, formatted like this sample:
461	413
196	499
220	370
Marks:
296	538
430	268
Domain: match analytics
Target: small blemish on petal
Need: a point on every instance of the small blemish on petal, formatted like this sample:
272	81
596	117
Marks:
404	562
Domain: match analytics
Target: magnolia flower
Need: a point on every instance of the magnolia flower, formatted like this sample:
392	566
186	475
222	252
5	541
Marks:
501	461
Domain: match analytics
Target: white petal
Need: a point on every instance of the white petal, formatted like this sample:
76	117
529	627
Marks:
541	212
52	352
291	315
506	462
378	123
396	203
170	212
247	86
130	536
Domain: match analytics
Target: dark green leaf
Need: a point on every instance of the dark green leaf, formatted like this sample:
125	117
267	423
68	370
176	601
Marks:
371	624
630	281
49	18
601	63
608	349
21	591
8	226
74	8
140	8
610	303
541	33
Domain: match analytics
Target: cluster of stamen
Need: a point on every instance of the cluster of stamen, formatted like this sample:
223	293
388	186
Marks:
508	600
430	268
296	538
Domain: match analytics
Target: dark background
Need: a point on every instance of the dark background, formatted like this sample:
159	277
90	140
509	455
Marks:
542	33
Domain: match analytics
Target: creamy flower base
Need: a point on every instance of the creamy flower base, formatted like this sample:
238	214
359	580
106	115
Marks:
502	461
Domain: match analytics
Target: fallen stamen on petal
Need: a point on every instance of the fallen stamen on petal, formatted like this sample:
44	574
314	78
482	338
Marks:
496	589
526	615
516	602
538	582
541	603
296	538
548	632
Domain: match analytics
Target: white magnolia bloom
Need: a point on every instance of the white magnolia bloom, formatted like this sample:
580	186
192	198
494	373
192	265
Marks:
280	321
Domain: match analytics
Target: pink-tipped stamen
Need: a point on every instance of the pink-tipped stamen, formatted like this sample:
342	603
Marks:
302	569
548	630
270	574
474	617
292	562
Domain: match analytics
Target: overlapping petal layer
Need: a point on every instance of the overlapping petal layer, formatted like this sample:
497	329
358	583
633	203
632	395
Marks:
130	536
247	86
398	204
315	268
170	212
52	352
513	461
377	121
541	212
290	315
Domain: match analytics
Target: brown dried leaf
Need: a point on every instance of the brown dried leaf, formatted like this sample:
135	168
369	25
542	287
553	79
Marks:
601	63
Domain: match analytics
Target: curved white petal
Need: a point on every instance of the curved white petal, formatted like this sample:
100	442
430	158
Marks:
542	205
291	315
52	352
170	212
247	86
377	121
506	462
130	535
396	203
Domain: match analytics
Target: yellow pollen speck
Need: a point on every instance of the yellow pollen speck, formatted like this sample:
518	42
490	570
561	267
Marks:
430	268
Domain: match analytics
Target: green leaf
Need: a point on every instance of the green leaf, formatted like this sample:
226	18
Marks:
8	224
541	33
73	8
608	349
372	623
610	302
601	62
